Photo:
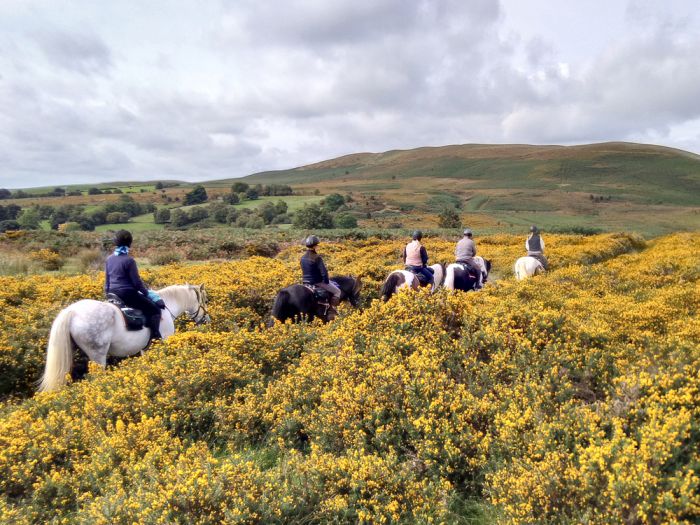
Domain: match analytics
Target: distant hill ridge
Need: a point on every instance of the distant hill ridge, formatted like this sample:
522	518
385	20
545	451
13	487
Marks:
494	151
633	172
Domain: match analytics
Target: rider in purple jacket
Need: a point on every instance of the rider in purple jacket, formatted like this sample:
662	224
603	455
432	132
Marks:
122	279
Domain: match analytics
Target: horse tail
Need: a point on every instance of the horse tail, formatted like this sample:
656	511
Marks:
450	277
389	286
438	275
279	309
59	353
520	269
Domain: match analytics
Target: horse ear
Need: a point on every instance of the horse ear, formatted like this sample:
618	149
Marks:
201	287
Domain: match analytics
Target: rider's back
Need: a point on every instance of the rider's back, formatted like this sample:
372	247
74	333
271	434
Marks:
122	274
312	268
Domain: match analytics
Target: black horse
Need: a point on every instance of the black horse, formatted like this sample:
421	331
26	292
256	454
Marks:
299	302
460	278
349	288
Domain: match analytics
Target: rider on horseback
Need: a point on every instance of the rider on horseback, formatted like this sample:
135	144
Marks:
314	270
122	279
535	246
465	251
416	258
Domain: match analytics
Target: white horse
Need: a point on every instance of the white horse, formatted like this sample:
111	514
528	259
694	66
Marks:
405	279
98	329
527	267
457	279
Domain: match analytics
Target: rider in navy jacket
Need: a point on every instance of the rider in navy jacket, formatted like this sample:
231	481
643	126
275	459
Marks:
314	270
122	279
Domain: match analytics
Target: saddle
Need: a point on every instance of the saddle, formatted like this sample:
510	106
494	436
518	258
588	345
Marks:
134	319
320	295
422	279
471	270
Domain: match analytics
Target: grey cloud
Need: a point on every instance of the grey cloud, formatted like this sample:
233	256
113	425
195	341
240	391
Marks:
648	83
77	52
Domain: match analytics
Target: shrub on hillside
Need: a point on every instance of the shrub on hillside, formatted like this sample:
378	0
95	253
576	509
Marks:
161	215
196	196
345	220
164	257
449	218
312	217
48	259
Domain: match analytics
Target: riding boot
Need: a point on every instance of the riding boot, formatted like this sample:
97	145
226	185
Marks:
154	325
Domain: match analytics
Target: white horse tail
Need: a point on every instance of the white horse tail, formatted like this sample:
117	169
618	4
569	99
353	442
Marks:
438	276
450	277
520	269
59	353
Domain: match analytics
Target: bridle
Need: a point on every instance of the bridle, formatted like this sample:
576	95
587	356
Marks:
201	307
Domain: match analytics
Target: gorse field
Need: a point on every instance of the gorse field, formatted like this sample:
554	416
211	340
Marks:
571	397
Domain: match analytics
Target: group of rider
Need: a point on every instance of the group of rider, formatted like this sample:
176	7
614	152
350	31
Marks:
415	259
123	280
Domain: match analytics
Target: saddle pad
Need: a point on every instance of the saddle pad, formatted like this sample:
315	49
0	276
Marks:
134	319
319	293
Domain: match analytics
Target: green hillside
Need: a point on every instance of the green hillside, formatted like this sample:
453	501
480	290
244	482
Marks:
634	172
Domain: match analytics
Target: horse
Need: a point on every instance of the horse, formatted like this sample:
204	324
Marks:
527	267
457	278
406	279
99	330
298	302
350	287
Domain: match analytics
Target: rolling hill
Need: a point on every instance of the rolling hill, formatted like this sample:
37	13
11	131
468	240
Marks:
614	185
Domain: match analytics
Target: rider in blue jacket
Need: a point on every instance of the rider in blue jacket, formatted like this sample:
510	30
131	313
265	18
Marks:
122	279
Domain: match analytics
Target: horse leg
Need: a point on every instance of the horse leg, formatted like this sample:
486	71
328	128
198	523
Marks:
80	364
99	355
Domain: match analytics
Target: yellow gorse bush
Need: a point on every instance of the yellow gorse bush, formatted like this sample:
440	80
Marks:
569	397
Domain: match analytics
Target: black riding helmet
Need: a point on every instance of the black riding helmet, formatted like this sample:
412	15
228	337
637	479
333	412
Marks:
123	238
311	241
533	229
417	235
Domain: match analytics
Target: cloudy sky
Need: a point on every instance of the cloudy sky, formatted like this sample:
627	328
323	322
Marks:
94	90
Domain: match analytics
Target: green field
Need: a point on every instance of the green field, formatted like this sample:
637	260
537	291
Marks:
140	223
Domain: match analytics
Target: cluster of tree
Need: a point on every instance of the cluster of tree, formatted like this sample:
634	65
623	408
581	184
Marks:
111	213
222	213
331	213
56	192
600	198
8	217
162	185
241	191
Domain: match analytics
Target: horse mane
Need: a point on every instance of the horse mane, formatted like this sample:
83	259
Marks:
177	292
279	309
389	286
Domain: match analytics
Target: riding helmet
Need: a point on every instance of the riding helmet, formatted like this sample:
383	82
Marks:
123	238
311	241
467	231
417	235
533	229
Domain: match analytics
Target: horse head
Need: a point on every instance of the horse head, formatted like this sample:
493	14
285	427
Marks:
354	296
197	309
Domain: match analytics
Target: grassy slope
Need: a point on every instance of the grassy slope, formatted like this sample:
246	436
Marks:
645	174
650	189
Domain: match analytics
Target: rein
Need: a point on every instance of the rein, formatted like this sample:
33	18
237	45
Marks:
201	307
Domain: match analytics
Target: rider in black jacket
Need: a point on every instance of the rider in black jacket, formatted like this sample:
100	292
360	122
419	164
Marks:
314	270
